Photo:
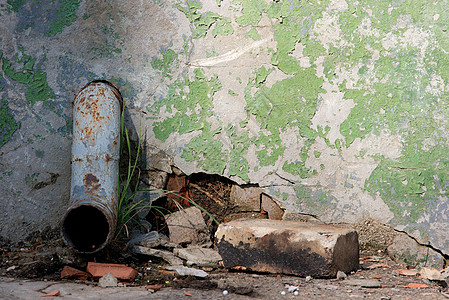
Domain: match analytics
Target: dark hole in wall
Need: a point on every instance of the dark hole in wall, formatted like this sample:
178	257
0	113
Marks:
209	191
85	228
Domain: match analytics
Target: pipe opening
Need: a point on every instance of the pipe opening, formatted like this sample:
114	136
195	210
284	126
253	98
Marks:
85	228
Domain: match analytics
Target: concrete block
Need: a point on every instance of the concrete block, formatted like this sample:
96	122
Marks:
187	226
289	247
245	199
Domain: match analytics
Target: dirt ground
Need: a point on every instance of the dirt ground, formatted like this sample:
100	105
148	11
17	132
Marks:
42	259
43	256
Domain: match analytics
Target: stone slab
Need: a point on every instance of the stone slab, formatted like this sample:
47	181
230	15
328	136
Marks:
187	226
165	255
198	255
289	247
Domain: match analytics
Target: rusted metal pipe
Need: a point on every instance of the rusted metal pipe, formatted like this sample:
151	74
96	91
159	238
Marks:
90	221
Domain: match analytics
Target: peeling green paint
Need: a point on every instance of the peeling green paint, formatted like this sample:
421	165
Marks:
252	33
201	22
206	151
66	16
31	179
190	102
167	64
15	5
316	200
8	125
290	103
34	79
238	164
223	27
252	11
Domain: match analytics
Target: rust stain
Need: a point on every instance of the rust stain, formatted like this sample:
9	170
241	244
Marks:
108	158
91	184
115	141
90	180
78	159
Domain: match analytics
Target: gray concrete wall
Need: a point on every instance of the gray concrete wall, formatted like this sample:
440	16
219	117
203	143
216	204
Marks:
335	108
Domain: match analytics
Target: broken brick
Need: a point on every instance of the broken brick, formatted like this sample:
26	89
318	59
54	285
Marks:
52	294
289	247
414	285
154	287
271	207
72	273
407	272
119	271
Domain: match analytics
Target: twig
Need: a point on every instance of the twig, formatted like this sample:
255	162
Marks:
219	201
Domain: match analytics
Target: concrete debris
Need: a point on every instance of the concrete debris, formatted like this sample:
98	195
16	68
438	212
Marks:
184	271
293	288
108	280
431	274
341	275
165	255
187	226
288	247
198	256
245	199
149	240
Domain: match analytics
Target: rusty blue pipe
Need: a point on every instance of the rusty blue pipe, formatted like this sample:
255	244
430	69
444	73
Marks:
90	221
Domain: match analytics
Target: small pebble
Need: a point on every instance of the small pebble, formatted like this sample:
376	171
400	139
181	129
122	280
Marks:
308	278
292	288
341	275
225	292
296	293
10	268
283	293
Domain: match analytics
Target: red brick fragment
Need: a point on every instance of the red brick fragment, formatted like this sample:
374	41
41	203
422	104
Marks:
52	294
72	273
414	285
154	287
271	207
120	271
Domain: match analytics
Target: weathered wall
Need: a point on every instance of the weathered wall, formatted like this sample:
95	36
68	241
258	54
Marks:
336	108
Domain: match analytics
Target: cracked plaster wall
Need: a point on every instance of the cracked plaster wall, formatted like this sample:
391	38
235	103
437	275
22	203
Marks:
336	108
